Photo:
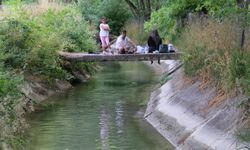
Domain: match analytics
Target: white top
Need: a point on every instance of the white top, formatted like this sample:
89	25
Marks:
102	31
170	46
122	42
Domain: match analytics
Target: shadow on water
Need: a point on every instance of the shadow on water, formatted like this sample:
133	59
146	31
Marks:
99	114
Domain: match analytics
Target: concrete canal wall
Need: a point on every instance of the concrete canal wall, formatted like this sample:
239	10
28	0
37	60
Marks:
191	117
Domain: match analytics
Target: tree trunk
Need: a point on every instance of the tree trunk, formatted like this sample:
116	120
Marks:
133	8
148	12
158	5
1	3
143	8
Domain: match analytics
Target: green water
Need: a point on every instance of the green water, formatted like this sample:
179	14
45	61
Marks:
101	114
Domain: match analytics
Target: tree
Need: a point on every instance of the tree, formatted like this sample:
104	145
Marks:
142	9
90	9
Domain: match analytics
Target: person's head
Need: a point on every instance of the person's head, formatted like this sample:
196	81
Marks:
103	20
155	33
155	36
124	34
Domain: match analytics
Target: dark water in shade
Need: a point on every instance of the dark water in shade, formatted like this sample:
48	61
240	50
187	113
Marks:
99	115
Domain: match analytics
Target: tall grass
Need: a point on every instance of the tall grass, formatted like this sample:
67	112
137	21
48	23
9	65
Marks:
247	41
136	32
213	53
31	40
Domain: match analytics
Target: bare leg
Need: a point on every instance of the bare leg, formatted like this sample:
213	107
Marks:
103	42
107	41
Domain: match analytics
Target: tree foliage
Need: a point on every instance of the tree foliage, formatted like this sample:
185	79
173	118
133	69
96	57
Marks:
90	9
172	16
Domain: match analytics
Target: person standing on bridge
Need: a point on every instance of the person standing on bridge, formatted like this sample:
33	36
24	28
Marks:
124	45
104	33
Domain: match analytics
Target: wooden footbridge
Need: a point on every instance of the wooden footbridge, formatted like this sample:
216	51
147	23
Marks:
85	57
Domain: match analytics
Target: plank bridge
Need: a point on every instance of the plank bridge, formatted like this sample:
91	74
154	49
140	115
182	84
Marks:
85	57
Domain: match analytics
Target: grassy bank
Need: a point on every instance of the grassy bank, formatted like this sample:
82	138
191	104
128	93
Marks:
214	54
30	36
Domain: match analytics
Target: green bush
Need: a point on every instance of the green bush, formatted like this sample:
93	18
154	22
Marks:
8	84
9	99
14	36
30	42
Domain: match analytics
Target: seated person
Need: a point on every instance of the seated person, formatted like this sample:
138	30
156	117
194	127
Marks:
124	44
154	41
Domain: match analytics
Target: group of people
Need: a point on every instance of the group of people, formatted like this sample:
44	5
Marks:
125	45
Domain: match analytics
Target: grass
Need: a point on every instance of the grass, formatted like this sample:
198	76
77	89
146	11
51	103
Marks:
136	32
164	79
214	55
244	136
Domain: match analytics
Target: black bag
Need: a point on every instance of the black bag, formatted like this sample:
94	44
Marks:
163	48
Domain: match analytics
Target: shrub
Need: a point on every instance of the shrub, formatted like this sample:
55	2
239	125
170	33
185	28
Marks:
30	41
10	122
14	36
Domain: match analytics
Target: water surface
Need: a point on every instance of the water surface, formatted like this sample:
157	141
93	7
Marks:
101	114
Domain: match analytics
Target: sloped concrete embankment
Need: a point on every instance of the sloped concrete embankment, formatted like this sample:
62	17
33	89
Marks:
180	112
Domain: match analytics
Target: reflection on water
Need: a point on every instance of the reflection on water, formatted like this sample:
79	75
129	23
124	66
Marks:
118	117
99	115
104	132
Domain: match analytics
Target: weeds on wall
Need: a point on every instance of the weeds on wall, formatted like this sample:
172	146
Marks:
213	53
